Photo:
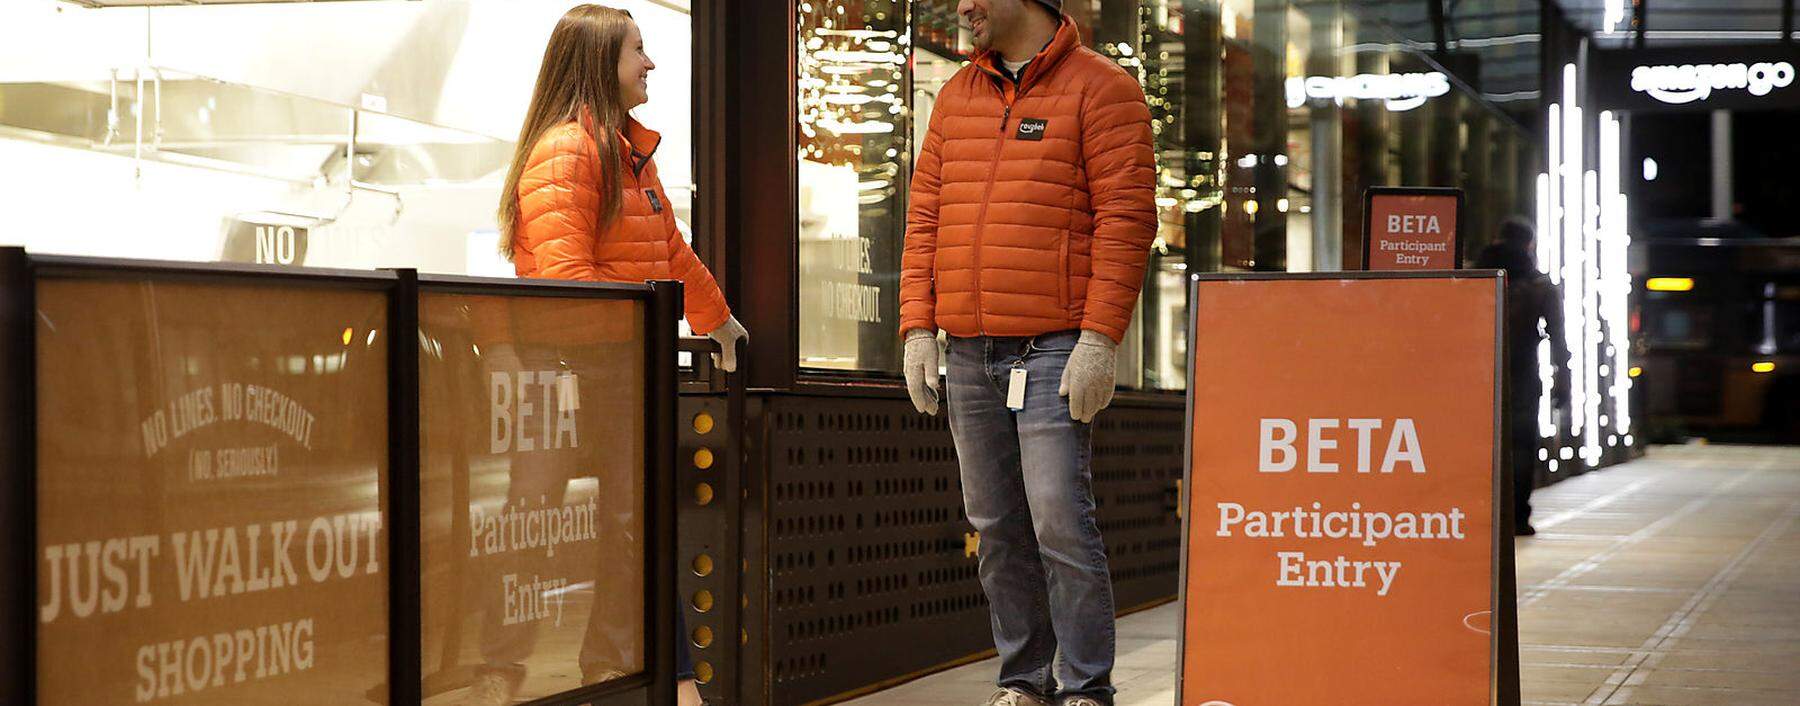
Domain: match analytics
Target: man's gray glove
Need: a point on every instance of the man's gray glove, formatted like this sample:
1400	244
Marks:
728	334
921	369
1088	379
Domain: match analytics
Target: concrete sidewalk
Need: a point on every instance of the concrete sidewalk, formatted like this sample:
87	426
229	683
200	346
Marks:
1671	580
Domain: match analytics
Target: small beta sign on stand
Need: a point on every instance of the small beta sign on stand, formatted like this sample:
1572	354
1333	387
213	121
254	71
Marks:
1412	228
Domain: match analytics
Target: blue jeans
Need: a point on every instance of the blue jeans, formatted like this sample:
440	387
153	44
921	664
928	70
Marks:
1028	490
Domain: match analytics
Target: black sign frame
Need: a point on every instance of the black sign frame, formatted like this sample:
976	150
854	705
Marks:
1503	666
1368	216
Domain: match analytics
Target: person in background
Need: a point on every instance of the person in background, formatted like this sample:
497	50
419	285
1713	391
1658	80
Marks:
1033	209
582	201
1533	312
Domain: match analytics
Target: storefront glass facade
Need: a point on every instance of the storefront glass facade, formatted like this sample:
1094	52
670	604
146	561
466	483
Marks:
353	135
854	161
1270	118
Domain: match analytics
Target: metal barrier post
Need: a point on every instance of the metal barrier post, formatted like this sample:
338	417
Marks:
18	480
405	592
665	310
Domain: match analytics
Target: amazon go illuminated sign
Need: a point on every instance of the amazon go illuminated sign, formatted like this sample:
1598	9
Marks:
1723	78
1689	83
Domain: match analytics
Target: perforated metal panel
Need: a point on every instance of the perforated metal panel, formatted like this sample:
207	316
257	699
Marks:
866	547
863	562
1137	464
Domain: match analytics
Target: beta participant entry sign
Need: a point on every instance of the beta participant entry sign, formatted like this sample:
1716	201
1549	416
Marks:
1411	229
1339	519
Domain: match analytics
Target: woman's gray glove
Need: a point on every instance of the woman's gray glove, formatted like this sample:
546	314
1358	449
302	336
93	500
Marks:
728	334
921	369
1088	379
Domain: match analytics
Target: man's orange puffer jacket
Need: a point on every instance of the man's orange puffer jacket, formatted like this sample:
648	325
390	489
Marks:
559	236
1033	206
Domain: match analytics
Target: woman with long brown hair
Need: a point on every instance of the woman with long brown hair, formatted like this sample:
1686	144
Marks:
583	202
582	199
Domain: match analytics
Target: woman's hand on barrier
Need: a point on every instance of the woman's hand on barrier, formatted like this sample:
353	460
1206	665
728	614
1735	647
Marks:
728	334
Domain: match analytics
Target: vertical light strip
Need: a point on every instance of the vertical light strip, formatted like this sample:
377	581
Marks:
1549	248
1547	232
1546	369
1569	264
1615	274
1590	316
1544	214
1583	246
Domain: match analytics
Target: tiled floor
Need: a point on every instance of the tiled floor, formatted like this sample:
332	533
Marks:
1672	580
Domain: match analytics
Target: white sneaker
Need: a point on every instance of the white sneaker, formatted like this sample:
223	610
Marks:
490	690
1013	697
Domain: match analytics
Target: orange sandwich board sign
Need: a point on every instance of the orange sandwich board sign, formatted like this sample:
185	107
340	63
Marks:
1412	228
1340	543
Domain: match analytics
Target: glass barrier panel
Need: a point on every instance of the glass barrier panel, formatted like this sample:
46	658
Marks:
212	461
532	467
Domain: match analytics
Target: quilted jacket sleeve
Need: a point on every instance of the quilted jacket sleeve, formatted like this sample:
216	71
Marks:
704	304
1121	168
559	207
918	263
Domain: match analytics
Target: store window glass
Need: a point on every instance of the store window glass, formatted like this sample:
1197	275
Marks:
344	134
1270	119
1154	41
1365	105
855	158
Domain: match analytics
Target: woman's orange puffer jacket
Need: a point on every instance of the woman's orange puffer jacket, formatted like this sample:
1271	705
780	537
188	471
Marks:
559	236
1033	205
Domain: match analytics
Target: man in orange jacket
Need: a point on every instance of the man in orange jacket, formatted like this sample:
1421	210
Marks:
1033	209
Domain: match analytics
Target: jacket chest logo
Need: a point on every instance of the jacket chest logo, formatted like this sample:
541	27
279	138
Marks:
1032	129
656	205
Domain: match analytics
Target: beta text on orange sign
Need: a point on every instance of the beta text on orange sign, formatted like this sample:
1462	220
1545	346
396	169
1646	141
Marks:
1407	228
1342	475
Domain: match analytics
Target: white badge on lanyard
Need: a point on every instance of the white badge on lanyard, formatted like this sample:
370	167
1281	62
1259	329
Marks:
1015	391
568	393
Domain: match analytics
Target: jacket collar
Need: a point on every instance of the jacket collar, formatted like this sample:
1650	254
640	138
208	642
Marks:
639	140
637	143
1066	41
